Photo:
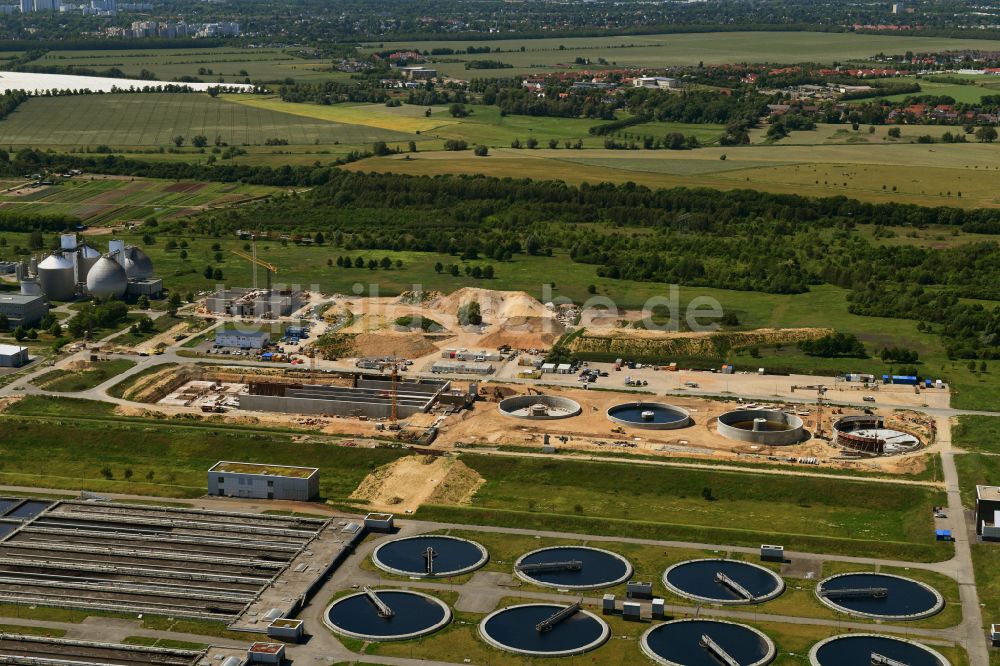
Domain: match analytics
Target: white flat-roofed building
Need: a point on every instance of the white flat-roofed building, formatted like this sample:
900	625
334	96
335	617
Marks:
13	356
257	481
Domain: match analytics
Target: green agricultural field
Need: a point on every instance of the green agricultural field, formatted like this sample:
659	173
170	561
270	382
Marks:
970	94
166	459
106	200
702	506
540	55
226	63
154	119
962	175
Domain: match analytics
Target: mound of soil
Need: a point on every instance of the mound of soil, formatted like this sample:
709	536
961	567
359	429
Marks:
407	345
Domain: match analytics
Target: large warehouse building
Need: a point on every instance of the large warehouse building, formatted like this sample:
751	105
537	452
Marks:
238	479
23	309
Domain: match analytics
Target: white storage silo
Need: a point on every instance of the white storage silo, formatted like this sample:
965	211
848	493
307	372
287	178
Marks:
57	276
107	279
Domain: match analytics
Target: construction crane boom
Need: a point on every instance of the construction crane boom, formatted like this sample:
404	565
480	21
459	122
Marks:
271	268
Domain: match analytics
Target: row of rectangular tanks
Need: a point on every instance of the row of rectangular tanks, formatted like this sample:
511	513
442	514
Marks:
76	268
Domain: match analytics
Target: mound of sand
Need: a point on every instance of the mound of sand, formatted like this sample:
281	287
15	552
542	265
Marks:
385	343
525	333
459	485
409	482
494	305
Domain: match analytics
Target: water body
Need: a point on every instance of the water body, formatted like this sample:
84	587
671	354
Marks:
697	578
599	568
29	510
408	555
633	413
515	628
414	614
680	642
904	598
857	651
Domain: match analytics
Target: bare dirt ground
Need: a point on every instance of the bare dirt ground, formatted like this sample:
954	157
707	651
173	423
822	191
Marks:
592	432
409	482
509	318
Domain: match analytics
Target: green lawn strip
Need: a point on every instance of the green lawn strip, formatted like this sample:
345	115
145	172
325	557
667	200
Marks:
976	469
670	532
32	631
696	499
931	471
979	434
165	459
70	381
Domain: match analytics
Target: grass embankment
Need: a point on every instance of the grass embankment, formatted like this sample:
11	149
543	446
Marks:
166	458
119	389
73	381
702	506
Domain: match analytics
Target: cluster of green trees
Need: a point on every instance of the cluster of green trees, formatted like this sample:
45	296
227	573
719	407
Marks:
372	264
97	316
10	100
834	345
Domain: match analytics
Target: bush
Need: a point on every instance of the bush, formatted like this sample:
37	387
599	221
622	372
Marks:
455	144
481	151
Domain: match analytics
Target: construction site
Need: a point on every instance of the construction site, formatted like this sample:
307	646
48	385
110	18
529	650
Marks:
238	569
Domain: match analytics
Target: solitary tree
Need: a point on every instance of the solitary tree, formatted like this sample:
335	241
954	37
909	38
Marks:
178	140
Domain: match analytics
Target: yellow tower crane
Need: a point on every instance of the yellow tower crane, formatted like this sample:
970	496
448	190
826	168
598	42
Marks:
255	262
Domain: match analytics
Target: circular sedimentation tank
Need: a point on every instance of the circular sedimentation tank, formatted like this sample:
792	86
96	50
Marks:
722	581
410	615
681	643
850	649
517	629
573	567
449	556
881	596
761	426
649	415
539	407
